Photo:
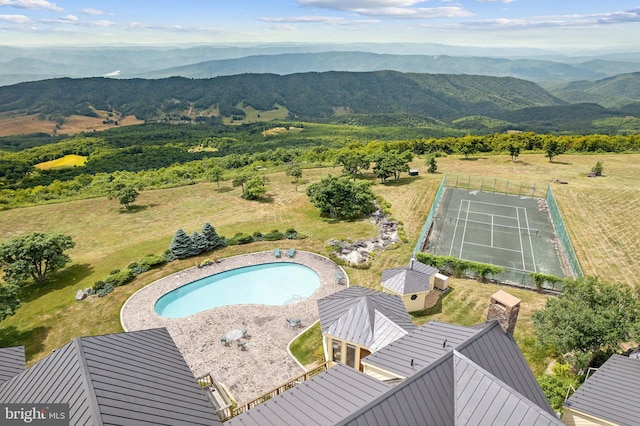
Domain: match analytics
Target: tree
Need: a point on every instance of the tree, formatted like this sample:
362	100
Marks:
254	188
182	245
34	255
552	148
200	243
468	145
241	179
215	175
125	194
340	197
296	172
556	384
514	147
352	162
9	301
432	164
598	168
213	239
588	317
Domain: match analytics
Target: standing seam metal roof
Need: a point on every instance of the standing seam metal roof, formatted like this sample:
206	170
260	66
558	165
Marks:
414	278
12	362
363	316
611	393
119	379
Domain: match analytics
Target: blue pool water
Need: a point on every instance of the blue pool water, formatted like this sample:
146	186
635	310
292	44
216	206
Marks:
266	284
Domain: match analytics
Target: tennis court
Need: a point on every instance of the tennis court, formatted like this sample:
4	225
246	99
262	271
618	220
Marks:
514	232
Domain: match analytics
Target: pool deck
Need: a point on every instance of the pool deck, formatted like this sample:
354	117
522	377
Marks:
266	362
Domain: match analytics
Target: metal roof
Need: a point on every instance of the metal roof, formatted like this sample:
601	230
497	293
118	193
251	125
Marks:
323	400
452	390
118	379
363	316
12	362
424	345
413	278
611	393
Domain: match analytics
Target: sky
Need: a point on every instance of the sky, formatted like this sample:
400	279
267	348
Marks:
547	24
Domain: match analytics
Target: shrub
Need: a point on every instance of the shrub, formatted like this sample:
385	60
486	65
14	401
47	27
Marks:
240	238
274	235
119	278
257	236
98	285
151	260
291	234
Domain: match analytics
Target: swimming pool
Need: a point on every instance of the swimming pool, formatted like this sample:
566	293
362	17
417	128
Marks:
265	284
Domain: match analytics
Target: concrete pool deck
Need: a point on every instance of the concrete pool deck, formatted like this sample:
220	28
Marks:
266	362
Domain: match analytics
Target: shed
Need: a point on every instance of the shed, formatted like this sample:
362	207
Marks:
413	172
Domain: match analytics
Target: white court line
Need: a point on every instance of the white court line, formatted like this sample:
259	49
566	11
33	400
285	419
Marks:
455	230
464	231
491	230
503	266
533	256
494	204
495	248
524	265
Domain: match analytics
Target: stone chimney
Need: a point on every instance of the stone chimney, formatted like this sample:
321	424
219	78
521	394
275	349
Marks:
504	307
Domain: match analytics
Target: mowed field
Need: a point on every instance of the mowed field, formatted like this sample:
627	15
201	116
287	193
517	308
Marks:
74	124
601	215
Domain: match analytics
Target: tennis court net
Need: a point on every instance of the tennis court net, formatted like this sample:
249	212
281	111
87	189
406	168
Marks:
492	227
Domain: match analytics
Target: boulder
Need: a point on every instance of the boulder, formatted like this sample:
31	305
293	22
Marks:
81	295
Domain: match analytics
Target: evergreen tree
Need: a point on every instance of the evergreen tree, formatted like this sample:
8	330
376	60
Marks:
200	243
213	239
432	164
182	245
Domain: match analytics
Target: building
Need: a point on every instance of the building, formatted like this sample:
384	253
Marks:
437	374
419	285
130	378
611	396
357	321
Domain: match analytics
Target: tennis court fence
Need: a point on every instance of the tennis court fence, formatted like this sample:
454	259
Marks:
500	186
429	221
562	234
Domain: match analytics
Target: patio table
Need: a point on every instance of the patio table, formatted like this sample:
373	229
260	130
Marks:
234	334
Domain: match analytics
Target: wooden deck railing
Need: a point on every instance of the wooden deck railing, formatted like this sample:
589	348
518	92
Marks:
232	412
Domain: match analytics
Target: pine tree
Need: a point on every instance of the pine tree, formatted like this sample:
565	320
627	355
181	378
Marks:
200	243
213	239
182	245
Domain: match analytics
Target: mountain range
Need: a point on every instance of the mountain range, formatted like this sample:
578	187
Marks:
544	67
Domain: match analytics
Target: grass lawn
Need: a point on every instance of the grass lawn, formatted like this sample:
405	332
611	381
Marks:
600	214
70	160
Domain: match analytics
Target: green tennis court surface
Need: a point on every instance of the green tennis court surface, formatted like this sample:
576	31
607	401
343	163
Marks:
514	232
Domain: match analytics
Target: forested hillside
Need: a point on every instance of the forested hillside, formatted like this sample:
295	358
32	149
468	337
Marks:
310	96
615	91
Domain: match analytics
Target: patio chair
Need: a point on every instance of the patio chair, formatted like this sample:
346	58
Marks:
294	322
292	252
225	341
338	277
276	252
242	345
245	334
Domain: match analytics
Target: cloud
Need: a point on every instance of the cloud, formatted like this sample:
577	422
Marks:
329	20
15	19
350	5
74	20
402	9
92	12
31	4
562	21
495	1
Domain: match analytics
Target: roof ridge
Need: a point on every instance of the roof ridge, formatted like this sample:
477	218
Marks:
487	373
480	332
398	387
85	373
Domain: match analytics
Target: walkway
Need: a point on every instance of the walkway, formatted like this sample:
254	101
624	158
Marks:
266	363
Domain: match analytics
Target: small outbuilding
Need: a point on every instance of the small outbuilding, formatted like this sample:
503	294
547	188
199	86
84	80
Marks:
413	172
418	285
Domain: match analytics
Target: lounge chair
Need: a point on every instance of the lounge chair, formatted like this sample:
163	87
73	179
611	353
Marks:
245	333
338	277
276	252
294	322
292	252
225	341
242	346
